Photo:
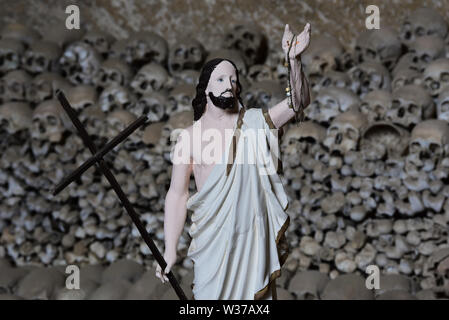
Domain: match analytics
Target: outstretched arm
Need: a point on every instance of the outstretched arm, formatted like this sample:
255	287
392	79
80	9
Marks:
281	113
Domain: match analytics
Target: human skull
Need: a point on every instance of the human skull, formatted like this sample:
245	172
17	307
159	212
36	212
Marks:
112	71
421	22
375	104
152	137
323	54
380	45
117	121
94	120
383	139
82	97
410	105
249	40
436	76
100	40
48	121
443	105
11	52
260	72
44	86
233	55
80	62
426	49
116	97
41	56
406	76
151	77
304	139
333	78
263	94
187	53
429	143
144	47
20	32
153	105
188	76
15	117
369	76
180	98
329	103
14	85
344	133
118	50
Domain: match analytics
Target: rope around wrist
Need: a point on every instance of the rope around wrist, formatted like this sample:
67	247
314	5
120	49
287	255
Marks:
299	113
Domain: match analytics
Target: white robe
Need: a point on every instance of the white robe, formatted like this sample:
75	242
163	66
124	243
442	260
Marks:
239	221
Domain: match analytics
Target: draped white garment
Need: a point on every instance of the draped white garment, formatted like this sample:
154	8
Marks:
239	220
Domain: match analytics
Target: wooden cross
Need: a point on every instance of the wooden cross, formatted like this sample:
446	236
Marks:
97	159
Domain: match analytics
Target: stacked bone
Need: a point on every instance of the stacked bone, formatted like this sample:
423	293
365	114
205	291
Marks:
366	174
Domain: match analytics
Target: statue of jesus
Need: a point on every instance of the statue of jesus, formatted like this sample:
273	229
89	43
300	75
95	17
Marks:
239	219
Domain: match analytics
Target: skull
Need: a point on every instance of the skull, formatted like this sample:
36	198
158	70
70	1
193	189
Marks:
304	139
41	56
429	143
369	76
375	104
329	103
116	97
80	62
323	54
113	71
421	22
118	50
344	133
233	55
15	117
152	136
44	86
264	94
180	98
383	139
249	40
188	77
99	40
94	120
82	97
382	46
19	32
152	105
144	47
48	121
151	77
260	72
406	76
410	105
426	49
443	105
333	78
436	76
11	52
14	85
188	53
117	121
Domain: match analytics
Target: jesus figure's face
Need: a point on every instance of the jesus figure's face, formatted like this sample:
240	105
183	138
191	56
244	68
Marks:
222	86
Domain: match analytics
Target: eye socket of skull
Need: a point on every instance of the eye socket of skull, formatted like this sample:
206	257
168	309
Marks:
413	108
434	148
415	147
445	77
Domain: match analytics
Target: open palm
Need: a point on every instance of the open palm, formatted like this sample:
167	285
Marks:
300	42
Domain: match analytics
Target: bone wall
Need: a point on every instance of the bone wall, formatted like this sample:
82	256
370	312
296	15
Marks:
366	174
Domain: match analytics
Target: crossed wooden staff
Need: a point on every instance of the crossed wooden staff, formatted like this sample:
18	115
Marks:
97	159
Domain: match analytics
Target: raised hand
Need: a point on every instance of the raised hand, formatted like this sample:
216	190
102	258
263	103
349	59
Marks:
300	42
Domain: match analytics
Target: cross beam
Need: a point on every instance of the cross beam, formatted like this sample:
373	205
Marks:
97	159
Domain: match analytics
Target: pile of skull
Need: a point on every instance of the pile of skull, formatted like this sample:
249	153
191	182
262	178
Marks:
366	174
